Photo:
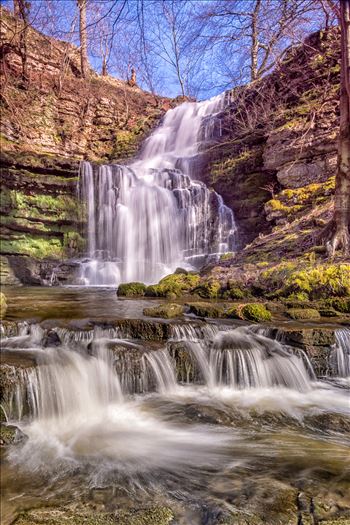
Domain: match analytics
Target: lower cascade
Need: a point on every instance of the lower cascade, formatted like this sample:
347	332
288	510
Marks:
105	407
147	218
78	371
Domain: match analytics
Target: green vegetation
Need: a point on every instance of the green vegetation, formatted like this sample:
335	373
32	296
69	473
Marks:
35	246
132	289
341	304
256	312
206	310
167	311
303	314
173	285
313	282
208	289
3	305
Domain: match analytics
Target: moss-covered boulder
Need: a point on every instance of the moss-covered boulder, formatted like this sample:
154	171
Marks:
256	312
10	435
341	304
3	305
329	312
133	289
166	311
208	289
173	285
206	310
303	314
234	312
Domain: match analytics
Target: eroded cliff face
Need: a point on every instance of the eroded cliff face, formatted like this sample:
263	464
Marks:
47	127
276	161
273	163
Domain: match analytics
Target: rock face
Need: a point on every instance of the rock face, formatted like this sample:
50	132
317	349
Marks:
279	140
47	127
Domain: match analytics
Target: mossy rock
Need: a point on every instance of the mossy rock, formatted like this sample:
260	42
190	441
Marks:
166	311
256	312
234	312
3	305
206	310
341	304
133	289
173	285
208	289
329	312
303	314
10	435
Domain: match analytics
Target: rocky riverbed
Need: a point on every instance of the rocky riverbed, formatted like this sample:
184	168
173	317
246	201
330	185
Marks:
113	416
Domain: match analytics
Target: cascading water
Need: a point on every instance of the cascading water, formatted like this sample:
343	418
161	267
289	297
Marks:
146	219
341	353
80	405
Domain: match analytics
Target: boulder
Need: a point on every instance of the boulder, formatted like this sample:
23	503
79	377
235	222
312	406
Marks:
166	311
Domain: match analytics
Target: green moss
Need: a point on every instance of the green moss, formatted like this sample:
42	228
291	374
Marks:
208	289
226	256
7	434
131	289
166	311
3	305
173	285
303	314
300	296
256	312
206	310
321	281
234	312
305	280
35	246
341	304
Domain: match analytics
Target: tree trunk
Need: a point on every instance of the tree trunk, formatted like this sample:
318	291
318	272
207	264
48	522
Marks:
339	228
255	43
21	10
104	71
83	38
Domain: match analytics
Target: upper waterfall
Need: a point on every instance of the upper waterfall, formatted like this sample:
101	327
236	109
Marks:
147	218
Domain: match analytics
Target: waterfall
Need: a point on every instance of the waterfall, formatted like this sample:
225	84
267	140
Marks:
340	356
147	218
242	359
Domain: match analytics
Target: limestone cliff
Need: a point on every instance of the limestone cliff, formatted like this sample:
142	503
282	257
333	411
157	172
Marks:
47	127
274	161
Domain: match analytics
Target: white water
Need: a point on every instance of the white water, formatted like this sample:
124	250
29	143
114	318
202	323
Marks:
341	353
146	219
77	411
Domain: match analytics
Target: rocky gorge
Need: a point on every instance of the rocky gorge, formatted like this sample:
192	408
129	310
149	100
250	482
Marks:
175	340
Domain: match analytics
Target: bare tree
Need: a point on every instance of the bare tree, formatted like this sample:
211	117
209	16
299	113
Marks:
338	229
83	38
251	34
21	10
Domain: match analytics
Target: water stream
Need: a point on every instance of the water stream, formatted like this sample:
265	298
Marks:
101	409
149	217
